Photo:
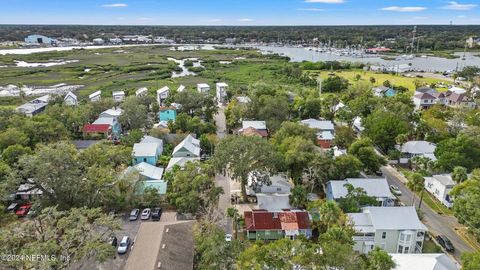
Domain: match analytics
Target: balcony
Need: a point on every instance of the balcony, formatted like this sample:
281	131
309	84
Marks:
364	238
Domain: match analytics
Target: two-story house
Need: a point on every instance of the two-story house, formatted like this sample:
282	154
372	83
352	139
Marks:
203	88
107	124
162	95
221	92
412	149
440	186
374	187
325	131
148	150
393	229
186	151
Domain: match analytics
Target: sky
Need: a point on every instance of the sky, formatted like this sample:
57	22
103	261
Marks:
240	12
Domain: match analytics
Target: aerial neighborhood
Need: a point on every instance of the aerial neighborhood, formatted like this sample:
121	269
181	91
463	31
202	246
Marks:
180	156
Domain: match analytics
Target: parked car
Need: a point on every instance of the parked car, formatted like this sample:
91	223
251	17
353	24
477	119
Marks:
113	241
124	245
146	213
228	237
157	214
395	190
134	214
23	210
445	243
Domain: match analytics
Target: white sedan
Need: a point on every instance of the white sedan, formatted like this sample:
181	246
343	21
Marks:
395	190
146	214
228	237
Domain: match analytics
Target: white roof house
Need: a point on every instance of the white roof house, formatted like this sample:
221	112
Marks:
259	125
150	139
417	148
387	218
118	96
440	186
279	184
374	187
149	171
145	149
70	99
180	161
433	261
189	147
273	202
323	125
112	112
162	94
95	96
221	92
203	87
141	91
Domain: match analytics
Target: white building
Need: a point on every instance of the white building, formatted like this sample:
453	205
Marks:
186	151
440	187
279	183
98	41
95	96
434	261
35	106
181	88
393	229
118	96
39	39
374	187
417	148
143	91
203	88
221	92
70	99
162	95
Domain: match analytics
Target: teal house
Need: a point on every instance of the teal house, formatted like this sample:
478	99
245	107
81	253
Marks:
148	151
167	114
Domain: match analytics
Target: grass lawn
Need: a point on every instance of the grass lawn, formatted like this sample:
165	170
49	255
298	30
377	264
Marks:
431	247
380	78
435	204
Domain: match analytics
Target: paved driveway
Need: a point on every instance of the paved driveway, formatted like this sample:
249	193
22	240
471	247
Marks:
436	223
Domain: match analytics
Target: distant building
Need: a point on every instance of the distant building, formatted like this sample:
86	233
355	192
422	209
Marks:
264	225
473	42
254	128
143	91
393	229
35	106
162	95
279	183
426	97
221	92
440	186
118	96
39	39
98	41
181	88
95	96
115	41
148	150
203	88
167	114
243	99
70	99
106	124
186	151
383	91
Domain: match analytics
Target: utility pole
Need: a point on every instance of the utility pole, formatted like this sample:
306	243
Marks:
414	33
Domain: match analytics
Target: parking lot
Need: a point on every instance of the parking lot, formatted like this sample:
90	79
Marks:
130	229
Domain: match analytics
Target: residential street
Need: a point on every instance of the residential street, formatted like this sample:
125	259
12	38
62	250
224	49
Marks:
221	180
436	223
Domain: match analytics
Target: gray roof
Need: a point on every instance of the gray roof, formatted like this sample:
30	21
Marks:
190	144
418	147
145	149
149	171
180	161
444	179
388	218
434	261
34	105
375	187
273	202
94	94
260	125
318	124
150	139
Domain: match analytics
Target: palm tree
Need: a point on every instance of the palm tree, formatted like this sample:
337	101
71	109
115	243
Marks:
459	174
417	184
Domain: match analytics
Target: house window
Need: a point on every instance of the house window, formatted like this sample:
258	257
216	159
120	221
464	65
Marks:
384	235
406	249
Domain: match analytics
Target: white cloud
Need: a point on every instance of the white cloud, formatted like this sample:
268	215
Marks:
311	9
457	6
117	5
245	20
404	9
326	1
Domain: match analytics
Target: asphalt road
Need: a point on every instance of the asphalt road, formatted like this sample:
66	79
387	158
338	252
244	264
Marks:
222	181
436	223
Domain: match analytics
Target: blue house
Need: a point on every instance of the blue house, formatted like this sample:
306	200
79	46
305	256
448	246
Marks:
148	150
167	114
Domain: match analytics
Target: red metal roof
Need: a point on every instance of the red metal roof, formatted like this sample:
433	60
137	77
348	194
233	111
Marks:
96	128
287	220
